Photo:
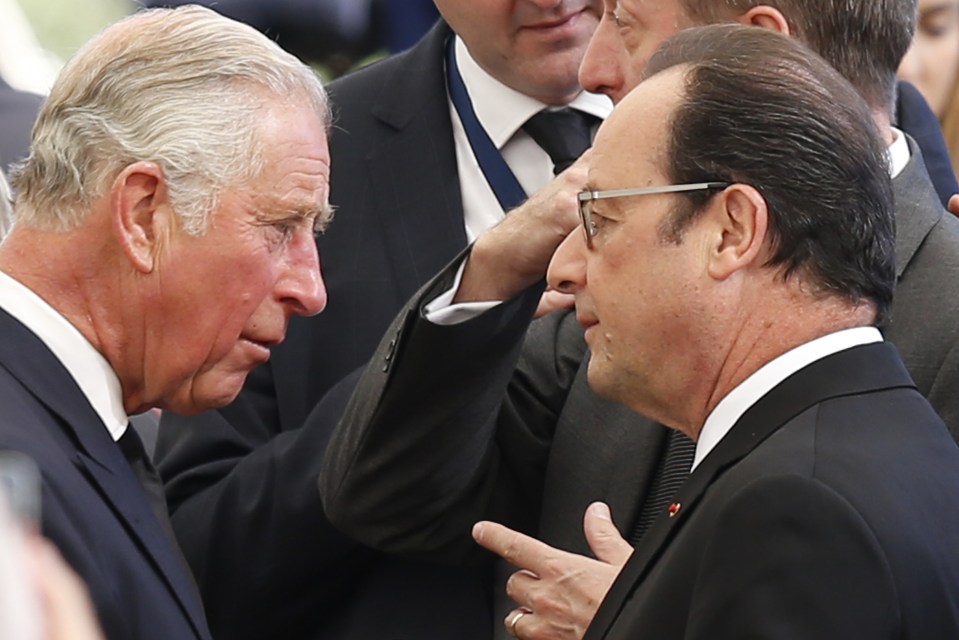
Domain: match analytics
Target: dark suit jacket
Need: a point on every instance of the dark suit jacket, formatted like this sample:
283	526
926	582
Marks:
520	438
18	111
830	511
242	481
914	116
93	507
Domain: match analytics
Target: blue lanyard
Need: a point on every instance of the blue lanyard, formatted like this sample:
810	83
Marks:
500	177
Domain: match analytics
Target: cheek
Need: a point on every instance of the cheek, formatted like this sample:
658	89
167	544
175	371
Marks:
239	298
947	60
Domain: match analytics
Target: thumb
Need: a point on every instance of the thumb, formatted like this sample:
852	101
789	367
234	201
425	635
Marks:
553	300
603	537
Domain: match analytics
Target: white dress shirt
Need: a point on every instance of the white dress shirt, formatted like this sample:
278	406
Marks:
735	403
898	153
503	111
90	370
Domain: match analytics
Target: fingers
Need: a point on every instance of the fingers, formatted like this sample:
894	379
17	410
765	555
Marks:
512	621
954	205
603	537
69	611
519	550
554	301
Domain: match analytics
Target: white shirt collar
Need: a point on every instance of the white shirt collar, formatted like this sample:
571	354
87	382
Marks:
749	391
90	370
502	110
898	153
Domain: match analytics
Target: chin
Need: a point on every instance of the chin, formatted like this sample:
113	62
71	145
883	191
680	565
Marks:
597	380
200	398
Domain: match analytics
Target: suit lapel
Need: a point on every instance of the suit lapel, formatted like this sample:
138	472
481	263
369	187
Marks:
853	371
424	219
915	217
98	457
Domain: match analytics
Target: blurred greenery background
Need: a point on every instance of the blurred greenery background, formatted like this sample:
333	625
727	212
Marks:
61	26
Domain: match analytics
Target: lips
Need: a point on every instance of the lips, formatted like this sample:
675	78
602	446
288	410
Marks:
585	320
259	348
557	23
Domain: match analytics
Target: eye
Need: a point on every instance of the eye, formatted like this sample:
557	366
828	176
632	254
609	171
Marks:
598	225
591	228
279	233
938	22
619	22
285	229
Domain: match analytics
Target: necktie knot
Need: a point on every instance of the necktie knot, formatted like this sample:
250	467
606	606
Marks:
564	134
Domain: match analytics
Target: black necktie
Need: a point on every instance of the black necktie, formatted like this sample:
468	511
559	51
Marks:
146	473
132	447
564	134
672	471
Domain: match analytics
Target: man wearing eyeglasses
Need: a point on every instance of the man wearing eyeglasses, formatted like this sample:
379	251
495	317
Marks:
539	452
824	497
730	294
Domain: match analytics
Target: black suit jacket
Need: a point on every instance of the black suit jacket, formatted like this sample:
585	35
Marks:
520	438
830	510
18	111
914	116
93	507
241	482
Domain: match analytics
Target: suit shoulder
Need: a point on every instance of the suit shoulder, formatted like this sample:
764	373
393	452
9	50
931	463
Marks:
364	83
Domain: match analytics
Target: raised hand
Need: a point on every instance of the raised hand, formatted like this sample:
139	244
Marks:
515	253
558	592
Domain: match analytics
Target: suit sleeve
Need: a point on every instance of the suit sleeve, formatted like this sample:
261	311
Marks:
238	491
790	558
449	425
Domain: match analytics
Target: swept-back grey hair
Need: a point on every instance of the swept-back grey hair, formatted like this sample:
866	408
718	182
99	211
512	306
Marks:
180	87
6	207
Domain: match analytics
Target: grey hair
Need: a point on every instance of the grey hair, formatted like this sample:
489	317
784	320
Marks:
182	87
6	207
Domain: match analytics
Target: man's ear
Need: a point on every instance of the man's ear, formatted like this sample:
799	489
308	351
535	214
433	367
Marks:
766	17
141	212
741	219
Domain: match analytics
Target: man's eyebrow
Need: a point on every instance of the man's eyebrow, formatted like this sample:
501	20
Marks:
324	217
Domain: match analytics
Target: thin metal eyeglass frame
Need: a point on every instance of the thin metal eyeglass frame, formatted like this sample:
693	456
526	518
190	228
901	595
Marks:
586	197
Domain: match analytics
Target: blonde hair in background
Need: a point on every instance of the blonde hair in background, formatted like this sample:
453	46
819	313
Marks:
950	128
180	87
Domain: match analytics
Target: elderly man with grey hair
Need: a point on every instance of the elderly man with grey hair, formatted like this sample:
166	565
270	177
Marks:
159	251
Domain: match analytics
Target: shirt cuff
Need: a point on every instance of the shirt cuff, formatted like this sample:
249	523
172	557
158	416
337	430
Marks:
442	311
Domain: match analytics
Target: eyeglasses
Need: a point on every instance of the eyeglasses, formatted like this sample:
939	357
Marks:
586	199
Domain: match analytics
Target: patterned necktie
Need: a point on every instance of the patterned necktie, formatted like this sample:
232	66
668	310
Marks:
672	471
564	134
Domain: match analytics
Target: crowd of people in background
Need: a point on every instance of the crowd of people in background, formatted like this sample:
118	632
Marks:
634	318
